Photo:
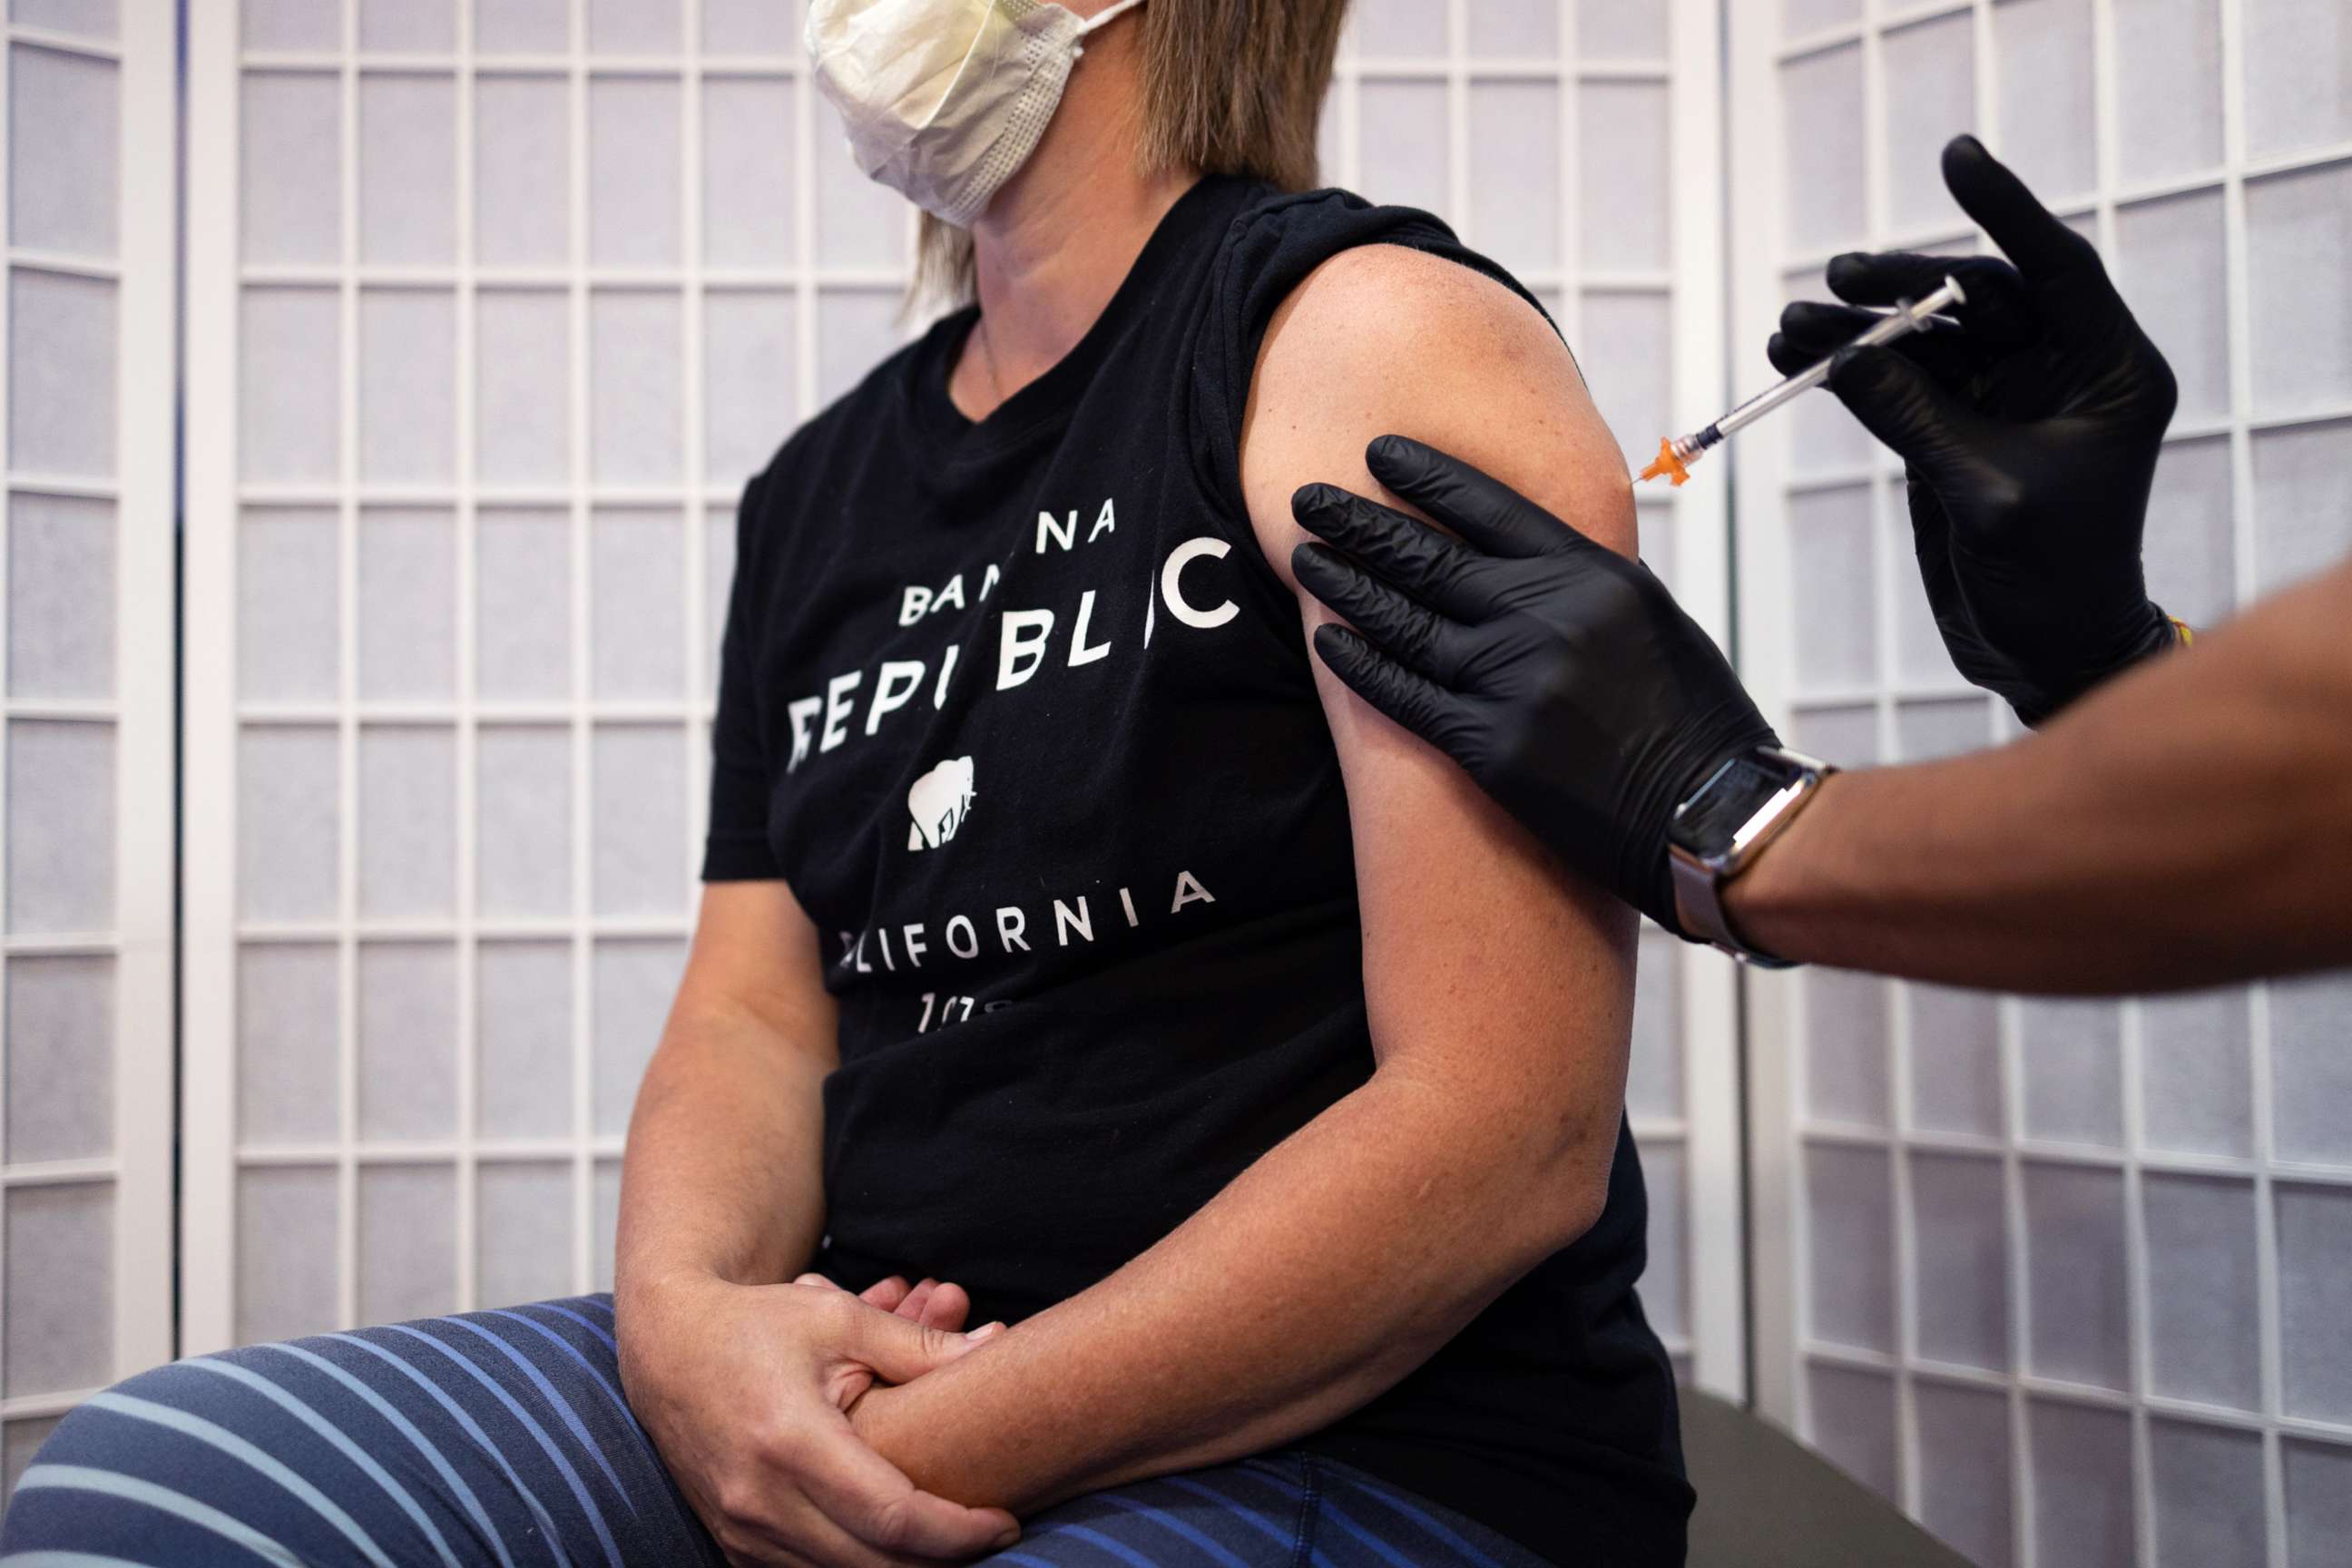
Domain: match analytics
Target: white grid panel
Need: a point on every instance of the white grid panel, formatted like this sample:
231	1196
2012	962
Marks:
493	306
85	689
2067	1280
1577	141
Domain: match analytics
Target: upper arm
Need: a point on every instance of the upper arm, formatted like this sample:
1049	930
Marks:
1485	964
757	955
755	951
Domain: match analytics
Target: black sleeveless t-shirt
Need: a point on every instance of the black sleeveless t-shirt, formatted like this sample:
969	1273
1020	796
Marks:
1020	713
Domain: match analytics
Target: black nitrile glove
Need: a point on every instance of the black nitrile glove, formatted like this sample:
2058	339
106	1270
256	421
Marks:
1563	677
2029	439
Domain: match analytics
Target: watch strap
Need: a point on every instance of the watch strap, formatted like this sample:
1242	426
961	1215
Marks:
1698	904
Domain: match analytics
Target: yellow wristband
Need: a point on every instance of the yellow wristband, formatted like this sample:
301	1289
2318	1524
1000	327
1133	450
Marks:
2188	634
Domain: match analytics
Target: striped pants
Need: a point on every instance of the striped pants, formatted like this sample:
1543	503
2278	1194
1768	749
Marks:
501	1440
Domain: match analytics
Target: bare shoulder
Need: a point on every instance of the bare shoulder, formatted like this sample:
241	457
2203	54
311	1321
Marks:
1383	299
1382	339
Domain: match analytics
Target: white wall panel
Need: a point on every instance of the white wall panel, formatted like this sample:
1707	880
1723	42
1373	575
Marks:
495	304
1576	142
2050	1275
88	147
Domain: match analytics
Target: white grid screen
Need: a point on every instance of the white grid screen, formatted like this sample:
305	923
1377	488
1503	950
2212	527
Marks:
2067	1280
522	293
85	680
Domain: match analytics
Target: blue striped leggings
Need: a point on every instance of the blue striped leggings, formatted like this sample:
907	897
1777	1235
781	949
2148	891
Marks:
501	1440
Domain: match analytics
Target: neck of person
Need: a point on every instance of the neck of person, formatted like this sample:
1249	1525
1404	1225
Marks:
1056	242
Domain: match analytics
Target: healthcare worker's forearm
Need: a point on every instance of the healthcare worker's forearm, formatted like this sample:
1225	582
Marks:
1327	1270
2188	824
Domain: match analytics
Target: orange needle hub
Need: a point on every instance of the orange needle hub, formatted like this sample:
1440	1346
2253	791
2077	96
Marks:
1668	465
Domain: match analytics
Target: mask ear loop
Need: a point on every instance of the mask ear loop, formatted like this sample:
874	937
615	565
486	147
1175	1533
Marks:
1100	19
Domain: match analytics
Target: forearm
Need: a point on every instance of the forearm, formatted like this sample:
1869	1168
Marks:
1334	1266
723	1173
2189	825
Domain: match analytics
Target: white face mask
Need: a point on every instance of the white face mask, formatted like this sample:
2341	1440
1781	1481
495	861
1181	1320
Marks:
945	99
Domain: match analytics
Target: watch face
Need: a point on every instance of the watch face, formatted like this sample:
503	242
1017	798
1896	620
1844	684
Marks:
1706	823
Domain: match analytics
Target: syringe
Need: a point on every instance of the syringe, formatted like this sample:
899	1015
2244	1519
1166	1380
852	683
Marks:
1677	453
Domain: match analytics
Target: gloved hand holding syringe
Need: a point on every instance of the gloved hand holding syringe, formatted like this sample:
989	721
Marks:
1677	453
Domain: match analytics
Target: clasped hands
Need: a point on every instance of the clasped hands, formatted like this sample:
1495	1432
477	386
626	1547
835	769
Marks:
757	1395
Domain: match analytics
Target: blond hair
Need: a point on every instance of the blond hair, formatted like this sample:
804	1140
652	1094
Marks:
1230	86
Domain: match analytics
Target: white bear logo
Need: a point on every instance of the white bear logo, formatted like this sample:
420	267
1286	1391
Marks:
939	802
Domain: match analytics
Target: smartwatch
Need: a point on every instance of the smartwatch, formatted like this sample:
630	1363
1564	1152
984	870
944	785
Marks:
1723	827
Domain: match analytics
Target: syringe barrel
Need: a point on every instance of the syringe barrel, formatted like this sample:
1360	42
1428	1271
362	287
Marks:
1905	319
1764	402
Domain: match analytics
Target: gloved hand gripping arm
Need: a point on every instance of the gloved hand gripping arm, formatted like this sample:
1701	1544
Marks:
1563	677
